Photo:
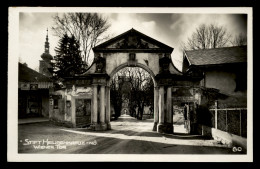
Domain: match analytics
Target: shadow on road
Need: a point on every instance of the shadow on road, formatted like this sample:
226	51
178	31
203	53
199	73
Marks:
115	141
182	136
119	146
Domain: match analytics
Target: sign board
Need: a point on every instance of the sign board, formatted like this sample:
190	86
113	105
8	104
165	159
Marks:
25	86
185	99
83	112
34	86
55	96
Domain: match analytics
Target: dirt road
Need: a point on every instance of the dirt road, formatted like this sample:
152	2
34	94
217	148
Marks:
128	136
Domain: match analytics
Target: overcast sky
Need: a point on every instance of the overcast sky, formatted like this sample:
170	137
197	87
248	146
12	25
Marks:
170	29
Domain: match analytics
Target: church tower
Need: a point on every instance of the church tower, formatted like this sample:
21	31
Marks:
45	63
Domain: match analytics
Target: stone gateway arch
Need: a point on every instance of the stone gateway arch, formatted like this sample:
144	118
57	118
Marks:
130	49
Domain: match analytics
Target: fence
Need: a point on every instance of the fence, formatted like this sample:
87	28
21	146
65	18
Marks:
231	120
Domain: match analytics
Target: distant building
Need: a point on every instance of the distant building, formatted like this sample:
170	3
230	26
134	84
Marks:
33	93
34	87
45	63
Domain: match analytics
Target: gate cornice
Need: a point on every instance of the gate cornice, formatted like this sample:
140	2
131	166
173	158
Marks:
106	50
132	41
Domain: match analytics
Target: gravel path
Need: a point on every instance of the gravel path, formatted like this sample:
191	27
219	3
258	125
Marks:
128	136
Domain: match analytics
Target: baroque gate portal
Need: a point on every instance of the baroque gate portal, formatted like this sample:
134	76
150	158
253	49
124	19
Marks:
131	49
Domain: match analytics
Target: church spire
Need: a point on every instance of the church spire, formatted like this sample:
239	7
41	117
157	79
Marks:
47	45
46	54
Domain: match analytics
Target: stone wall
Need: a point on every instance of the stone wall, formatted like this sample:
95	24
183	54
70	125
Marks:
224	137
114	60
57	109
236	100
63	113
224	81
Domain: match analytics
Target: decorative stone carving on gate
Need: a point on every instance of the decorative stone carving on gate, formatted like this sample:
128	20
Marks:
132	42
100	64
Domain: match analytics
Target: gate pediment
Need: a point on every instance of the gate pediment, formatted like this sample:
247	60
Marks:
132	40
132	49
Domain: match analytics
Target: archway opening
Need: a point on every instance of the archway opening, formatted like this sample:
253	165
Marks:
181	117
183	109
132	93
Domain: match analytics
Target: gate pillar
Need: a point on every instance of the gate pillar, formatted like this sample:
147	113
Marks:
165	124
164	81
108	108
94	114
102	108
156	112
101	103
169	111
160	126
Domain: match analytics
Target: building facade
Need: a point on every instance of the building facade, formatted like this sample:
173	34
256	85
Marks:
223	69
33	93
223	105
34	88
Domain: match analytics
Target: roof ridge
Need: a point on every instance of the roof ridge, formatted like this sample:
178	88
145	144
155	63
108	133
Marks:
236	54
29	68
34	71
216	48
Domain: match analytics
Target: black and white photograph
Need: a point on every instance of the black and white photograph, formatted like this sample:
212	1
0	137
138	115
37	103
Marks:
130	84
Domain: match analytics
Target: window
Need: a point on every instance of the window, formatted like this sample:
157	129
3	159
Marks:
132	56
55	105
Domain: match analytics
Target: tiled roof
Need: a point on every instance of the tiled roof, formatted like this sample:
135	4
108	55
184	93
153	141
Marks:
26	74
224	55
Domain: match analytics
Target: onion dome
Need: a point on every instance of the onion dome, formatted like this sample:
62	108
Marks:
46	55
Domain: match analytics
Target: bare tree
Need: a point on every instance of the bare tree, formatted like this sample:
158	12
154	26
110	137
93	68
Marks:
87	28
207	36
116	97
239	40
140	93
